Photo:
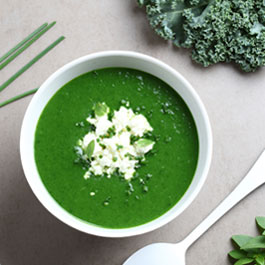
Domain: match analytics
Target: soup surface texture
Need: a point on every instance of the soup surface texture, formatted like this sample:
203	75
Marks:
158	184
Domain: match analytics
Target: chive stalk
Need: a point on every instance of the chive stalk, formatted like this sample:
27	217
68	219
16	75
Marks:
22	42
30	42
2	104
30	63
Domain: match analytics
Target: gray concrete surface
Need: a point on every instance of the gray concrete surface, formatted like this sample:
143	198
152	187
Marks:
235	101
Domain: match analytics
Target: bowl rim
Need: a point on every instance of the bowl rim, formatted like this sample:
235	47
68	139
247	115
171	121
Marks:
77	223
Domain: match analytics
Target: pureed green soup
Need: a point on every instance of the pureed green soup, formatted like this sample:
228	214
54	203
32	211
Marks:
163	177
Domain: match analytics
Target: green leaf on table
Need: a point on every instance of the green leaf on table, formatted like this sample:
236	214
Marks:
251	249
167	17
260	222
255	242
244	261
142	2
237	254
241	240
215	30
89	150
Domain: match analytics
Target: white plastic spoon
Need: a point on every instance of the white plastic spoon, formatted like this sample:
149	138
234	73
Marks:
174	254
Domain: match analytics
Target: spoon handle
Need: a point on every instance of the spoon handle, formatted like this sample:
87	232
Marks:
254	178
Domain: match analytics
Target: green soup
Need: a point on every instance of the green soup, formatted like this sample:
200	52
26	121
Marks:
158	185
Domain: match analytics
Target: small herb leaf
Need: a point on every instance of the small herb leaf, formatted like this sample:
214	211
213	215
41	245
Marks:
256	242
260	260
144	143
237	254
252	249
90	149
101	109
241	240
260	221
244	261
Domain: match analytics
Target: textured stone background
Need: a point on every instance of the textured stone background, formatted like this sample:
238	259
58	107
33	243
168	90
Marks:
235	101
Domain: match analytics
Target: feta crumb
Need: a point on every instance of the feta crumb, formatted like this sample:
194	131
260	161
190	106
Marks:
139	125
113	148
87	175
92	193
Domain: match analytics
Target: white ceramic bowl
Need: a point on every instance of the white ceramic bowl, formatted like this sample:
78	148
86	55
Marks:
102	60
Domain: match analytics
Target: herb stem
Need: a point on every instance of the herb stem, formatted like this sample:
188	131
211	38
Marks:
30	42
18	97
30	63
22	42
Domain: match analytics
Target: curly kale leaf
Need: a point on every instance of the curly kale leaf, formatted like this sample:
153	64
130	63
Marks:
215	30
166	16
228	31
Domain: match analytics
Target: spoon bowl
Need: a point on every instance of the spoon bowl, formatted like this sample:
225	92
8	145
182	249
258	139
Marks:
159	254
174	254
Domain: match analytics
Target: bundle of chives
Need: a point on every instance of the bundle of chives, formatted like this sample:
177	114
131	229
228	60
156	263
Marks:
30	63
32	91
18	49
31	41
20	44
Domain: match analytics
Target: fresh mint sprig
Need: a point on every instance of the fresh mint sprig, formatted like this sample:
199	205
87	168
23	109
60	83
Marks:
250	250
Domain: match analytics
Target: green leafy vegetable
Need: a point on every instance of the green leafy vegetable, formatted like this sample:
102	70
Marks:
89	150
167	17
241	240
251	250
237	254
260	260
261	222
244	261
215	30
256	242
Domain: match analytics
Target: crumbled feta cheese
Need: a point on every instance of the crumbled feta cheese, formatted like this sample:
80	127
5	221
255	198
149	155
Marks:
139	125
87	175
114	150
121	118
103	125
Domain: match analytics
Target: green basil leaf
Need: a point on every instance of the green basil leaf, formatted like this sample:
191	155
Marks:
263	233
252	253
144	142
260	221
241	240
256	242
237	254
101	109
90	149
244	261
260	260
